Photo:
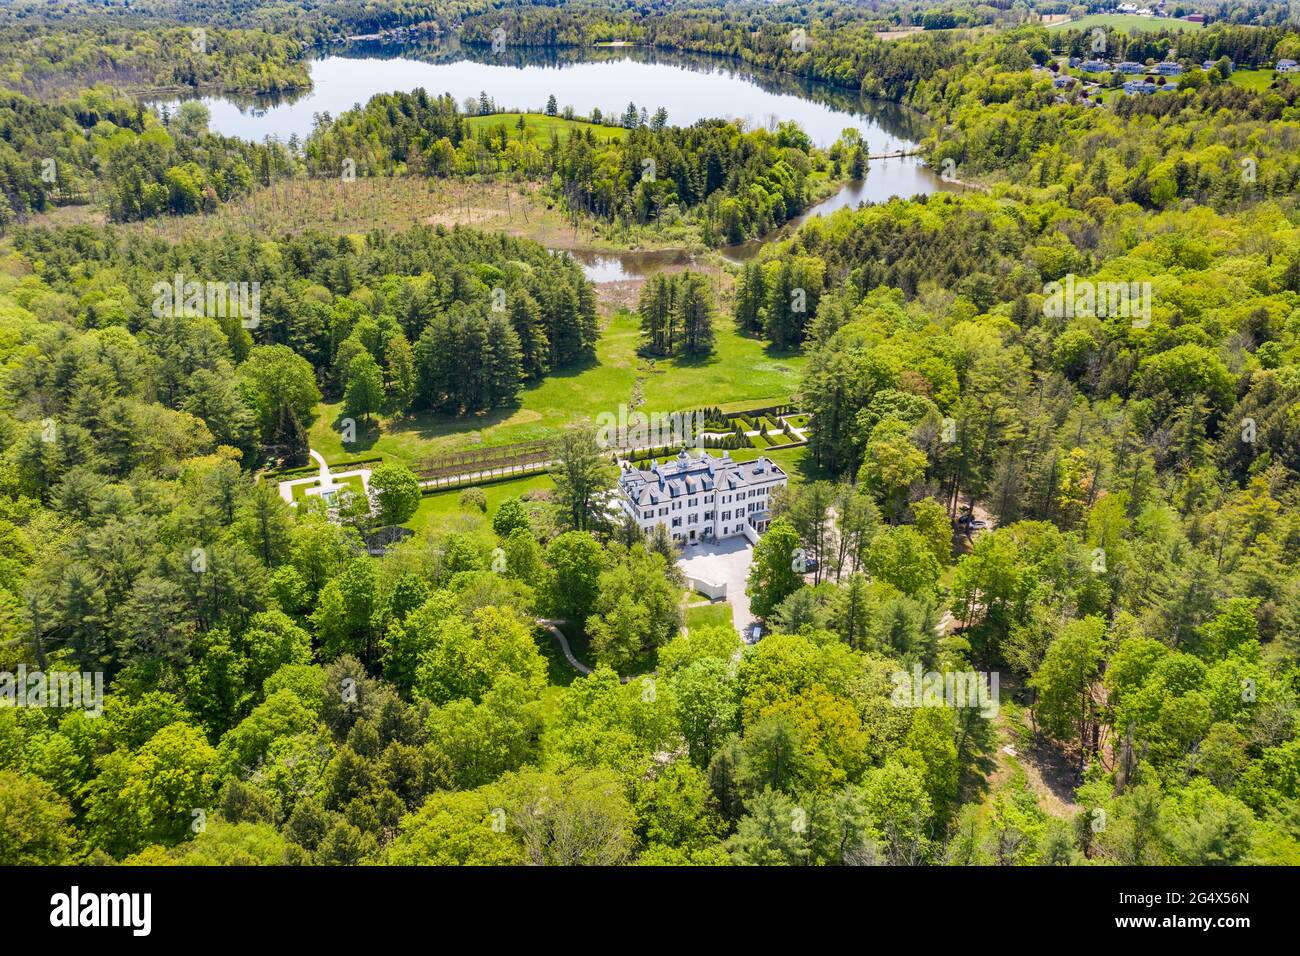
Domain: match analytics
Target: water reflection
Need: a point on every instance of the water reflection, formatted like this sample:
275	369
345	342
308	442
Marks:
902	177
690	88
620	266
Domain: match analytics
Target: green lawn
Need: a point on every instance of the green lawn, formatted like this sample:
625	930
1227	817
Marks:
441	504
352	482
538	127
709	615
1253	79
795	462
1127	22
741	370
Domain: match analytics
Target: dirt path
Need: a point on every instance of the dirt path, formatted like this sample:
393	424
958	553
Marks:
1048	773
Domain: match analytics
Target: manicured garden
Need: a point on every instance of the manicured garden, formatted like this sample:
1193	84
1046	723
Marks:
741	371
353	483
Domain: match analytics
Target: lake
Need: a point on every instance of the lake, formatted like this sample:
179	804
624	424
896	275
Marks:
689	87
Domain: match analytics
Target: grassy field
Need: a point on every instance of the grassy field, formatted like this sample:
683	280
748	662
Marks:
1253	79
1126	22
441	504
538	127
739	370
518	209
709	615
521	209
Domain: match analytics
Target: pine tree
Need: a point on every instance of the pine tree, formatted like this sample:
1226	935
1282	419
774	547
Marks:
695	306
656	312
364	394
399	375
780	318
505	370
526	319
750	296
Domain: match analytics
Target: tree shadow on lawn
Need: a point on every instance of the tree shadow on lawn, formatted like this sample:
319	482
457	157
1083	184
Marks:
427	426
808	470
685	360
772	351
366	433
570	370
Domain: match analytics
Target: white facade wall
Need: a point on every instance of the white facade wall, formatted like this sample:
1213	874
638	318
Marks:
710	514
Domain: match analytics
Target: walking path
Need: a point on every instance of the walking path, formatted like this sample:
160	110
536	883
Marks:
556	633
469	478
325	482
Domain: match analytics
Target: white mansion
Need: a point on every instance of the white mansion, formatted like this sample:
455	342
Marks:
702	499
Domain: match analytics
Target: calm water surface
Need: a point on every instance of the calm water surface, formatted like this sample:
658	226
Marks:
690	88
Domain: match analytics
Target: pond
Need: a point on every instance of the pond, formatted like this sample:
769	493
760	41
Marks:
690	88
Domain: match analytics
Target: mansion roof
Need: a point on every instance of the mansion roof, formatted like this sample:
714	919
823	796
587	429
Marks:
686	475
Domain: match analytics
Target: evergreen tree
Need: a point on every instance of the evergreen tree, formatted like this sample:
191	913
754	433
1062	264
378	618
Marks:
364	394
399	375
751	296
505	370
656	309
694	305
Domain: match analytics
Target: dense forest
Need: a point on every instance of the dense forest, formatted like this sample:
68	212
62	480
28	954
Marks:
1096	352
422	307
